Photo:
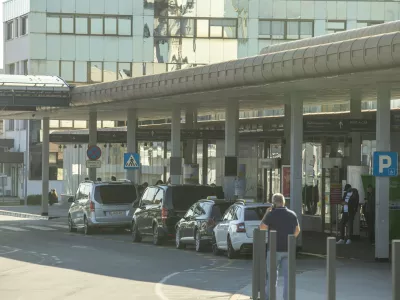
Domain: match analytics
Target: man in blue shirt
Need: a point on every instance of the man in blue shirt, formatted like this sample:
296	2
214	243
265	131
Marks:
285	222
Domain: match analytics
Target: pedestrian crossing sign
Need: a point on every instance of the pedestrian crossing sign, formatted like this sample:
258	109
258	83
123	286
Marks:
131	161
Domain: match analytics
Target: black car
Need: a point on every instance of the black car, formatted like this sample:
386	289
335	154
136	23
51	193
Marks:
161	207
196	227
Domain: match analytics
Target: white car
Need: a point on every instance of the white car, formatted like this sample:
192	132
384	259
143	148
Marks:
234	234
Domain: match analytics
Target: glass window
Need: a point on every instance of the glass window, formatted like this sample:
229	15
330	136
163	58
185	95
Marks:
67	24
96	71
52	157
96	25
81	25
124	26
53	24
16	28
187	27
149	196
80	124
108	124
10	30
229	214
11	69
67	70
189	213
202	28
66	123
306	30
124	70
80	71
230	29
335	26
254	213
25	67
105	194
160	27
174	27
99	124
159	197
264	29
292	30
110	25
109	71
278	30
137	69
54	124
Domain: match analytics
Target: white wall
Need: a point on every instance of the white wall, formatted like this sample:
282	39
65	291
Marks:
16	50
15	8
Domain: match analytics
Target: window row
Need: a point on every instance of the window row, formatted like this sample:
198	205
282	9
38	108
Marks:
285	29
89	25
11	125
79	124
17	27
94	72
196	27
18	68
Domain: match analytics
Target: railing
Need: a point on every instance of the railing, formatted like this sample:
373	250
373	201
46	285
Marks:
259	267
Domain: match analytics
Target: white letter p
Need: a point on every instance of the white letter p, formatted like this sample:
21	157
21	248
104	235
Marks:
384	162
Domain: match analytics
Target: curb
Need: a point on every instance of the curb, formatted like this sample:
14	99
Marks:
240	295
24	215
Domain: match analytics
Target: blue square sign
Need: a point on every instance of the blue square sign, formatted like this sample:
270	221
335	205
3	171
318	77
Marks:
131	161
385	164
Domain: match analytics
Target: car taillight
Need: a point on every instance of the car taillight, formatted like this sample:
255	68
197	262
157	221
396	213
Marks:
91	206
164	213
240	227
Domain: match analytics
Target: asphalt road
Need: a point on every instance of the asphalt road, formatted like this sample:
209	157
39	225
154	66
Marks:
42	260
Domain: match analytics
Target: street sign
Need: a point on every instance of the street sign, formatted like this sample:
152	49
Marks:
340	125
385	164
93	164
93	152
131	161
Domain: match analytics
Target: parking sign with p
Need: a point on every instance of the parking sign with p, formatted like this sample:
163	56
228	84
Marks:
385	164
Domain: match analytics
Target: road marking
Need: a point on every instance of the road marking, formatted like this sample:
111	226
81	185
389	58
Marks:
9	252
158	288
13	228
59	226
188	270
39	227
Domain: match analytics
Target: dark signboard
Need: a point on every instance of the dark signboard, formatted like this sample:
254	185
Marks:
395	122
58	138
339	125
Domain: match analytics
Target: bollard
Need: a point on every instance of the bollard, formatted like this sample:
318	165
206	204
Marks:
396	270
272	265
291	267
262	259
256	264
331	268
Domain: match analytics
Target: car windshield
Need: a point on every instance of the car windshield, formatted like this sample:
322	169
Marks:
254	213
115	194
185	196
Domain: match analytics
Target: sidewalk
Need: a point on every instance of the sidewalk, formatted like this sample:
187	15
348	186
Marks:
58	210
355	280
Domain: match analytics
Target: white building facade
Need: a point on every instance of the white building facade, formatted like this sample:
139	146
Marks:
91	41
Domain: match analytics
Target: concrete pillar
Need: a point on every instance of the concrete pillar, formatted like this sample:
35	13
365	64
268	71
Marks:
296	146
92	139
45	165
219	162
231	147
205	163
286	133
355	113
176	158
382	183
190	150
131	142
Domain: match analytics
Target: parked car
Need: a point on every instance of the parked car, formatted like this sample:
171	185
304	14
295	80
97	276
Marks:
234	234
196	227
101	204
162	206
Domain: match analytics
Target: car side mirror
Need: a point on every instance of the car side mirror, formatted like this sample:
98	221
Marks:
70	199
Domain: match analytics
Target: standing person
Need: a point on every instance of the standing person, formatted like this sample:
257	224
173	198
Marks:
53	197
285	222
350	206
113	178
370	212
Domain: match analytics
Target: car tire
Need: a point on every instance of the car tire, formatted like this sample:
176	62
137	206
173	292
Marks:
71	227
232	254
157	240
215	248
136	237
198	242
178	242
86	228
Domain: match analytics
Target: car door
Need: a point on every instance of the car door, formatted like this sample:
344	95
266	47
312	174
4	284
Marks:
74	209
148	206
200	218
140	212
82	202
184	223
154	211
222	228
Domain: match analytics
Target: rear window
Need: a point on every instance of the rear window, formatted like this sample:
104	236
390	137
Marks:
184	197
218	210
254	213
115	194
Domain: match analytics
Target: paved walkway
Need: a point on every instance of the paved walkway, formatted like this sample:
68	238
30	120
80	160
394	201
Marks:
356	280
34	211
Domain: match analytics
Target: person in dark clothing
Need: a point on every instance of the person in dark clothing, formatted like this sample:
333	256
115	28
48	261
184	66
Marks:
113	178
159	182
350	205
285	222
370	212
53	197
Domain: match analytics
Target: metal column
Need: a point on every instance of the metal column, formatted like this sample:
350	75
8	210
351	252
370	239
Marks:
45	165
131	142
92	139
205	162
176	158
382	183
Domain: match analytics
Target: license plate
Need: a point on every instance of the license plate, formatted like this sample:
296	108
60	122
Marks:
116	213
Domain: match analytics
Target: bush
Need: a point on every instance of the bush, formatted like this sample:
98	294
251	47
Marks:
34	200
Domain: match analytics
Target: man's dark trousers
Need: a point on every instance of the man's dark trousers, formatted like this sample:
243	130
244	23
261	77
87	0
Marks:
349	220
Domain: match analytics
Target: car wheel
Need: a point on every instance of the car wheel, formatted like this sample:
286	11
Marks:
199	243
136	238
71	227
87	229
231	251
156	236
178	243
215	248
